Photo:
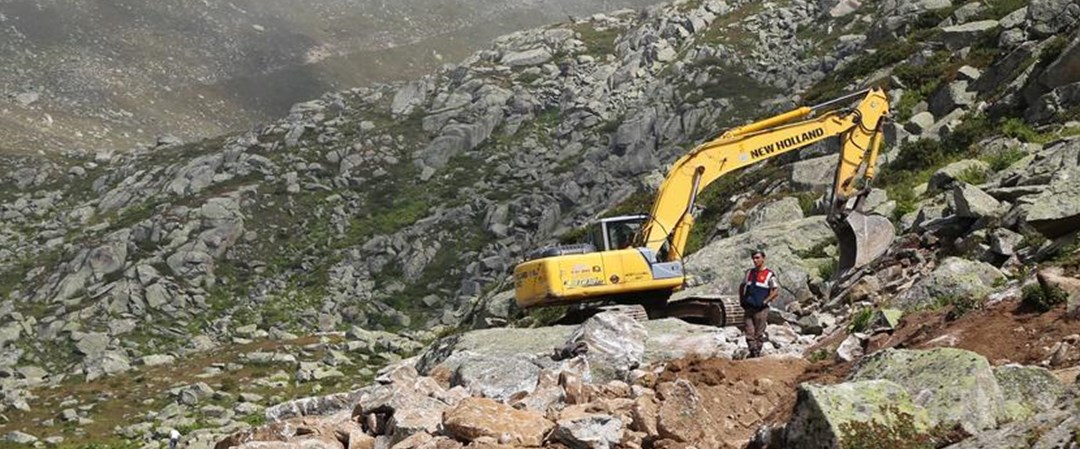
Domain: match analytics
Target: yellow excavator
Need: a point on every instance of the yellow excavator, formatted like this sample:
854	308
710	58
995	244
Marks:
638	259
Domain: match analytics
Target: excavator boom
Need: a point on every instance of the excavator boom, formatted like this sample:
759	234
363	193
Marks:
653	262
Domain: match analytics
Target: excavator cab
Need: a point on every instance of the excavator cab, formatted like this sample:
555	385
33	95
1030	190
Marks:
616	232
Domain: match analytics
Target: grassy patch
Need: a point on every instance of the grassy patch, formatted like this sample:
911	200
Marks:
1004	159
598	41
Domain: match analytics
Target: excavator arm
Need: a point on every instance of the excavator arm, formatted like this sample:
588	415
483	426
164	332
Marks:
859	130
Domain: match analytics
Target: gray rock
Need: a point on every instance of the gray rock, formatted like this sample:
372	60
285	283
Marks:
949	173
534	56
498	342
1049	17
780	242
813	174
920	123
616	345
968	73
1004	241
950	97
972	202
1065	69
408	98
953	385
157	359
1057	211
960	36
18	437
194	393
314	406
497	378
1028	390
92	344
955	277
785	210
589	432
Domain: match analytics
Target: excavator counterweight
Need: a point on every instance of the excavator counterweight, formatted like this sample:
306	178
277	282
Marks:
647	267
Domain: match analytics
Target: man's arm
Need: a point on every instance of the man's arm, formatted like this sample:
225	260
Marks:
773	293
774	289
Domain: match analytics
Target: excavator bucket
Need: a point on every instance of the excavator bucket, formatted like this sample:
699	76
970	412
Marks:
861	239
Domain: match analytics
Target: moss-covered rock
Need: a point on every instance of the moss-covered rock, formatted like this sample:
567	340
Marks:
825	415
1028	390
955	277
955	386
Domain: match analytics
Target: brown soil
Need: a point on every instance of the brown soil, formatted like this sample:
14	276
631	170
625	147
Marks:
747	391
751	393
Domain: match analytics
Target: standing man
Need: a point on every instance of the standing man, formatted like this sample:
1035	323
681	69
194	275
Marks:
759	288
174	438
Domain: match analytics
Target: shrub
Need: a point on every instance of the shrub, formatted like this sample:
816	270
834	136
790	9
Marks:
860	320
1003	159
972	175
1043	299
1014	127
961	305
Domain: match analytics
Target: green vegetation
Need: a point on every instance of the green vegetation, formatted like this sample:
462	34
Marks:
898	431
1004	159
819	355
861	320
959	305
997	9
817	251
1042	299
972	175
827	271
598	42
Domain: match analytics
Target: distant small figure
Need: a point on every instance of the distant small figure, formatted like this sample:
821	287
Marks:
174	438
758	289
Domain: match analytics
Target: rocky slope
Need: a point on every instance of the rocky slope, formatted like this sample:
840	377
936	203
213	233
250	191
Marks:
392	207
115	75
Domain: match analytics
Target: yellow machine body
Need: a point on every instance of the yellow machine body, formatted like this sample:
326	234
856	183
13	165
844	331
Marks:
568	278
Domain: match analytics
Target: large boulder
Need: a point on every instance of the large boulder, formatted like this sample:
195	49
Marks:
955	386
1056	212
672	338
1028	390
474	418
825	415
955	277
972	202
494	377
316	405
497	342
728	259
781	211
615	342
592	431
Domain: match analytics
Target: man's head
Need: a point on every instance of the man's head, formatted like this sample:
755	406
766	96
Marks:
759	258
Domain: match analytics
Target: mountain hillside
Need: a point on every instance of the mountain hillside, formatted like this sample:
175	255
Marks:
113	75
202	285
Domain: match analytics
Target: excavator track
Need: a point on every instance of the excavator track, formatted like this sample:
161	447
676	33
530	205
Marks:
711	310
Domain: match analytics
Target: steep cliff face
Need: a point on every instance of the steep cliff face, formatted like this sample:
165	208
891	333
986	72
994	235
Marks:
397	207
